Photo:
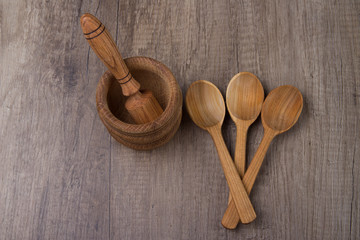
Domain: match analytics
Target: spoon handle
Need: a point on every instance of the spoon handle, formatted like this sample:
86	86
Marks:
231	217
240	158
240	197
240	147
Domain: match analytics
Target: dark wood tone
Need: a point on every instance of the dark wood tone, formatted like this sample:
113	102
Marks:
63	177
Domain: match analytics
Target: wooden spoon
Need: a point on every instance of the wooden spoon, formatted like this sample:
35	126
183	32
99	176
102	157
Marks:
143	107
280	111
206	108
244	98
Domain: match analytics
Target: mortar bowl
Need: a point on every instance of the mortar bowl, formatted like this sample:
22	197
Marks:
110	103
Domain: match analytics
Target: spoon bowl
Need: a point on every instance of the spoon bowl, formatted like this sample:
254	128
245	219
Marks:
209	109
244	97
282	108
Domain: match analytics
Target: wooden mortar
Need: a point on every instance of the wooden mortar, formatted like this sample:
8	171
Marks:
110	102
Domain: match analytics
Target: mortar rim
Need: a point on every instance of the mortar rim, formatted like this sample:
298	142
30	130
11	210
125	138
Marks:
155	67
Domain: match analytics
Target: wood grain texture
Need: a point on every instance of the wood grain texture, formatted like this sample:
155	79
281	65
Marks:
206	107
111	105
142	106
244	99
280	111
63	177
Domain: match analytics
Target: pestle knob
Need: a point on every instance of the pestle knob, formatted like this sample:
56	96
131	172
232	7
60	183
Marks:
142	107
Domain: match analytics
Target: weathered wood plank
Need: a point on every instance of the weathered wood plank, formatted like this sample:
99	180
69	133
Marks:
63	177
283	43
54	150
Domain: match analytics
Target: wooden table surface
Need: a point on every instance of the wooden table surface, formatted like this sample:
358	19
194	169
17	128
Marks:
63	176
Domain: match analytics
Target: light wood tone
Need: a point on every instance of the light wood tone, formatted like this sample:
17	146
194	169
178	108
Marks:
105	48
143	108
111	105
281	110
62	175
206	108
244	98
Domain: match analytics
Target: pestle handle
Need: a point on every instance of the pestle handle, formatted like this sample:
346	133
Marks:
143	108
105	48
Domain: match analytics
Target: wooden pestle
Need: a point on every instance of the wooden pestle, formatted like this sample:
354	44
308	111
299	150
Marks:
143	107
